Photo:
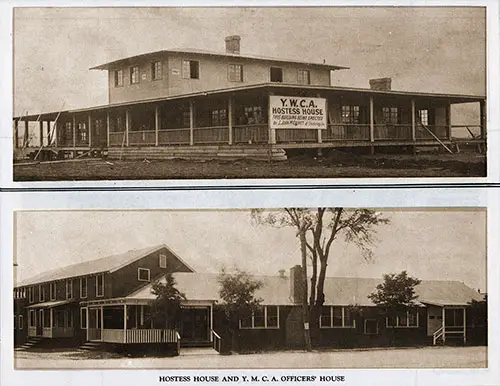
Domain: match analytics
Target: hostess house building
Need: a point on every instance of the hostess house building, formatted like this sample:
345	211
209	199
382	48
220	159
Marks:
106	302
196	103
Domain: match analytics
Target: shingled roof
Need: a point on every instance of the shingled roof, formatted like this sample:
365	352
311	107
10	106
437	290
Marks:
341	291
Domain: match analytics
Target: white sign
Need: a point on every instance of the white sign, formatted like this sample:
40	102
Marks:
296	112
176	71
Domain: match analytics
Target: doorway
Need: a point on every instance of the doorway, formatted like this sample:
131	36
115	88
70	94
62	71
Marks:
195	324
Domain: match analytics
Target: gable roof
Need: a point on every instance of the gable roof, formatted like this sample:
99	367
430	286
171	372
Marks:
341	291
196	51
104	264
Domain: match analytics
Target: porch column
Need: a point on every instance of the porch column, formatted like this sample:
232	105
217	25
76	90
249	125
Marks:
26	132
51	318
125	323
211	323
272	132
413	116
74	131
90	130
102	320
49	136
191	123
465	319
16	134
87	321
482	113
40	125
372	125
127	125
320	132
108	125
443	323
157	124
230	119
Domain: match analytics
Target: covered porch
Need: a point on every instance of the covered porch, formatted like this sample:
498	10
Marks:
51	319
447	322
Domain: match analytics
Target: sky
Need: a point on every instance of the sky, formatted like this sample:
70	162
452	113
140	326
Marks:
430	244
439	49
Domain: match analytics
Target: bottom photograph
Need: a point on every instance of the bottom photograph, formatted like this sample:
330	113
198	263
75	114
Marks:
279	288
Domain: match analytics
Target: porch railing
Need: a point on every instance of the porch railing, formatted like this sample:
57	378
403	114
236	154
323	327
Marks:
250	134
296	135
211	135
57	332
116	138
174	137
144	137
133	335
439	333
346	132
216	341
32	331
439	131
468	131
392	132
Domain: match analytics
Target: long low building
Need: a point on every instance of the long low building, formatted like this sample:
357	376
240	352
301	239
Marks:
107	301
195	103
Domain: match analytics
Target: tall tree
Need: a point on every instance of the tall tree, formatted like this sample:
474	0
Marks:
317	230
166	307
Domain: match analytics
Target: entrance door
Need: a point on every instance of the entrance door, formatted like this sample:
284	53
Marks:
94	326
195	324
434	319
39	323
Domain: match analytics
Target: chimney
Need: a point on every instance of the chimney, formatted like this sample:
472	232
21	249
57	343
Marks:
381	84
233	44
296	285
281	273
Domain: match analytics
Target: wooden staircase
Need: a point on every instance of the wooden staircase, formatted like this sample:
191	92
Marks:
30	343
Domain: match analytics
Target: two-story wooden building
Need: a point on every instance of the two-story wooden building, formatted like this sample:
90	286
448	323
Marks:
195	103
107	301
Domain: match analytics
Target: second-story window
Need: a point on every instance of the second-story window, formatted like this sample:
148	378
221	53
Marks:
190	69
118	78
99	285
304	77
83	287
53	290
69	289
143	274
276	74
156	70
235	72
31	295
134	75
41	293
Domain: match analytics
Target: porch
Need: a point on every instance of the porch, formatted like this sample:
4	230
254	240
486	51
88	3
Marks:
51	320
447	322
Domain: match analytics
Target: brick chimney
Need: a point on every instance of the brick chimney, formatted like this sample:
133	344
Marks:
233	44
381	84
296	285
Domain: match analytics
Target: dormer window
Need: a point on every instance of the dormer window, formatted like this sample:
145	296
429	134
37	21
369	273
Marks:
118	78
143	274
276	74
163	261
190	69
134	75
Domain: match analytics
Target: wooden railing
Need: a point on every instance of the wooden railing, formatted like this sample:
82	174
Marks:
472	131
145	137
116	138
346	132
250	134
31	331
439	333
211	135
58	332
296	135
392	132
94	334
174	137
216	341
151	336
440	132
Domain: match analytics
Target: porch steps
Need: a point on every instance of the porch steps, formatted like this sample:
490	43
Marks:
30	343
91	346
225	152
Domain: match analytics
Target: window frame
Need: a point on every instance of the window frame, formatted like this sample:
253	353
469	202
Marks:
82	318
187	72
397	325
300	76
426	116
41	293
156	70
97	285
162	257
389	113
231	70
86	287
350	114
332	324
139	275
20	321
266	326
53	290
118	78
271	74
70	287
376	323
135	76
31	294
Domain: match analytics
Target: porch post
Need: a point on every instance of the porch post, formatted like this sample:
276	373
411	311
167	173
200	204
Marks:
443	324
16	134
125	323
272	132
448	121
413	116
26	132
87	321
191	123
211	322
157	124
74	131
482	112
372	125
320	132
465	321
102	321
230	119
40	124
56	133
127	125
108	121
90	131
51	318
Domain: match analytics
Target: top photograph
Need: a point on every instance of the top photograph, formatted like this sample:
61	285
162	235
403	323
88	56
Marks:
177	93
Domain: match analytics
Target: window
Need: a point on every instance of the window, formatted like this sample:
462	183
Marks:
134	75
143	274
276	74
404	319
423	116
31	296
119	78
32	319
304	77
69	288
156	70
99	285
190	69
350	114
263	317
83	318
218	117
21	322
83	287
53	290
454	317
371	326
163	261
235	72
82	131
41	293
336	317
390	115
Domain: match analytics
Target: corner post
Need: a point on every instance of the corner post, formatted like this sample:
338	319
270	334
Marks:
465	325
372	124
191	123
230	119
443	316
16	134
448	120
157	124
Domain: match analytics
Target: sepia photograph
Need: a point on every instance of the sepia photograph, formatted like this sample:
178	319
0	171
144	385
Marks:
169	93
289	288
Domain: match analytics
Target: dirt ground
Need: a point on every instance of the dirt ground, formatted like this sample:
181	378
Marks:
334	164
426	357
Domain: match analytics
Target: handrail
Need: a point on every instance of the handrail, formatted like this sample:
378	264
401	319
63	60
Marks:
437	334
217	342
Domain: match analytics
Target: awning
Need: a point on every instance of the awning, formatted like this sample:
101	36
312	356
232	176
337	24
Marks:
52	304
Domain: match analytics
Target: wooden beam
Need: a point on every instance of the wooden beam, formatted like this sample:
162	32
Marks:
74	131
125	323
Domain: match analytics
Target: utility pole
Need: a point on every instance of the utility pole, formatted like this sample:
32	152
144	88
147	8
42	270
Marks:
305	307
